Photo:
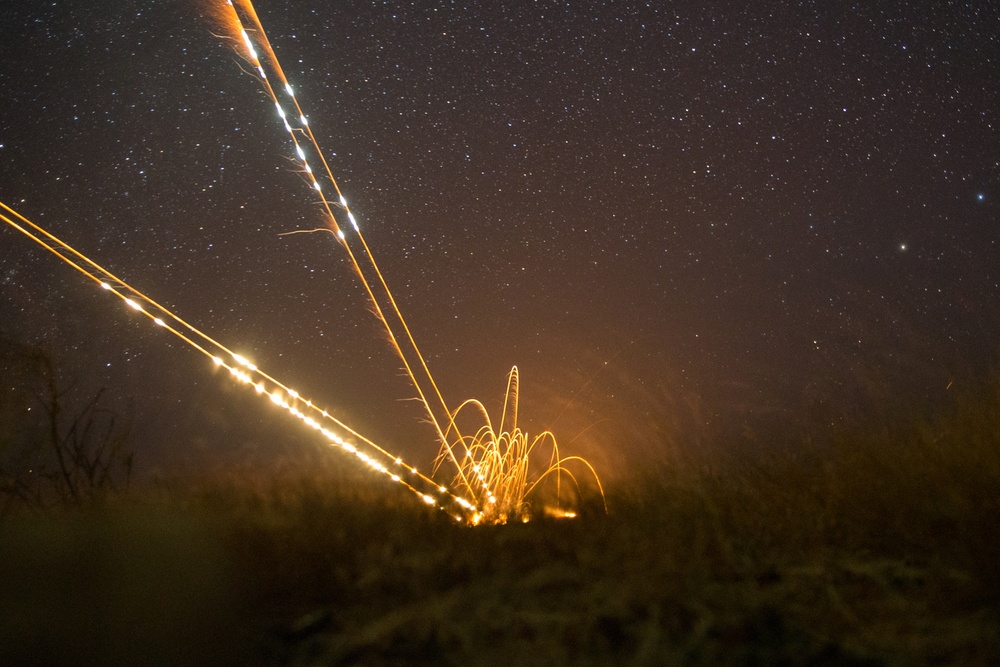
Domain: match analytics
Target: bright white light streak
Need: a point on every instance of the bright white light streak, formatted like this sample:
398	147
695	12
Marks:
302	155
288	88
281	112
159	322
133	305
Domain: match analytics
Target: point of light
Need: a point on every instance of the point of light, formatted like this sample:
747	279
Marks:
133	305
105	286
159	322
288	88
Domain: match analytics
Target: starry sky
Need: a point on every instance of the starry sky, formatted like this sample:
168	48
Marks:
671	216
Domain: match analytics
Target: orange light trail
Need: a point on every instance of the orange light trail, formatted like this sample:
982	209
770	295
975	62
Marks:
381	298
493	467
244	372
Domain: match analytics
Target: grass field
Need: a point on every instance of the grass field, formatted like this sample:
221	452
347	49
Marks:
874	547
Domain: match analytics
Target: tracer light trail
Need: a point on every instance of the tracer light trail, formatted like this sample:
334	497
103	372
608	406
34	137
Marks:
244	372
493	464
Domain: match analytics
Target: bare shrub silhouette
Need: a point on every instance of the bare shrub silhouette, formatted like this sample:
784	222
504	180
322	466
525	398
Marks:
53	450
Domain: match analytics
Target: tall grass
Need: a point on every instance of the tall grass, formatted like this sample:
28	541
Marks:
870	546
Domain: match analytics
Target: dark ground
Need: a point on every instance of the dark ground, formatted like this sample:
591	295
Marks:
866	548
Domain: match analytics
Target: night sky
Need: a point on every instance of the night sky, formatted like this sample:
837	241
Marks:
671	216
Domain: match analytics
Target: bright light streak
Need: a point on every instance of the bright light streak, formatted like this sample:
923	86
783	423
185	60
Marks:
240	370
493	465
